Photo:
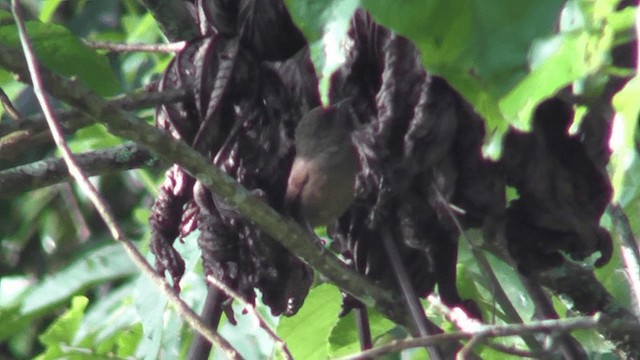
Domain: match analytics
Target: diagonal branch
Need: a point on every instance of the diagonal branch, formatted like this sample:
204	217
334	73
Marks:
288	233
563	326
16	139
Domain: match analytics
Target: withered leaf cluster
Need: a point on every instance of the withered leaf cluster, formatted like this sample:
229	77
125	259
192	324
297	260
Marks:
422	173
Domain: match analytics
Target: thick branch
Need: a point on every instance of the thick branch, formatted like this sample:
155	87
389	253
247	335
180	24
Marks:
16	139
119	47
51	171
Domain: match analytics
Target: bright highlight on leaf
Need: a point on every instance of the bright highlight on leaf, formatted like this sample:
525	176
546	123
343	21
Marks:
625	127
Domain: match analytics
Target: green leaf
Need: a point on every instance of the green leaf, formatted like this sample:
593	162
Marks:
91	138
123	343
48	9
625	128
442	30
12	292
325	25
128	341
110	315
63	330
60	51
307	332
344	339
150	305
106	263
481	47
161	324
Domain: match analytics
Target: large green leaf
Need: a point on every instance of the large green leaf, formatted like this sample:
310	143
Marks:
59	50
504	57
106	263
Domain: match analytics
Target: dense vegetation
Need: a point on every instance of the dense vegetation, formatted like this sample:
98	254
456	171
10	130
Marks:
500	133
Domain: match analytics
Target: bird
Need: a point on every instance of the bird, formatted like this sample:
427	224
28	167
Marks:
321	183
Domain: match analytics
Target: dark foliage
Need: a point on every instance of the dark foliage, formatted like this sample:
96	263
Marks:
418	143
415	138
563	193
242	117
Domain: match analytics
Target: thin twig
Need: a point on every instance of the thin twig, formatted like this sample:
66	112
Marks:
487	271
466	350
56	131
8	107
83	232
119	47
464	323
411	299
137	99
569	347
97	200
491	331
262	322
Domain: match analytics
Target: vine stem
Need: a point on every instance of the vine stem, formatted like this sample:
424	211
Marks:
101	206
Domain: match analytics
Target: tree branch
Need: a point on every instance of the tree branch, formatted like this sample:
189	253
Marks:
16	139
563	326
52	171
588	297
119	47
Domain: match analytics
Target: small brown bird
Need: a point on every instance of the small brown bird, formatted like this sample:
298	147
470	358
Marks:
322	179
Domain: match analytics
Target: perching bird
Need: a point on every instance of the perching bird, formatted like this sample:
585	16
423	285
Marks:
322	179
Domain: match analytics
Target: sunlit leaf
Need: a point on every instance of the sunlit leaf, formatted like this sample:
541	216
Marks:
63	330
106	263
625	126
48	9
320	309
